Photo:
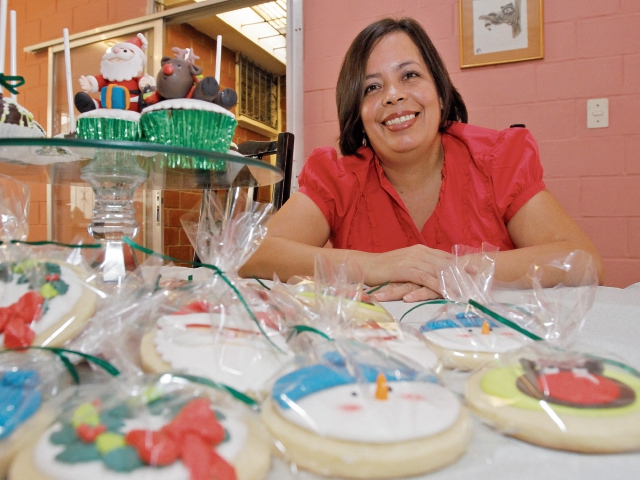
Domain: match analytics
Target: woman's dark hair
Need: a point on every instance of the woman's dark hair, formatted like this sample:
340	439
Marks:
350	88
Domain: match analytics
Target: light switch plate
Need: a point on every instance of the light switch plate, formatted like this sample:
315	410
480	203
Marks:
598	113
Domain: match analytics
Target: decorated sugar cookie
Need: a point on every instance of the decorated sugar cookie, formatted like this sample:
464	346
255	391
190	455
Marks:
42	303
560	400
390	337
388	424
468	340
169	436
364	310
227	349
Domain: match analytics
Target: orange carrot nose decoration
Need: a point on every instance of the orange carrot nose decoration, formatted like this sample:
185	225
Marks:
486	329
382	390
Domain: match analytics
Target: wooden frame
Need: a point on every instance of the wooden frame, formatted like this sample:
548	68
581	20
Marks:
500	31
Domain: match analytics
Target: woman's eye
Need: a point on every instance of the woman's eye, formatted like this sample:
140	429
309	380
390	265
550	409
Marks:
411	75
370	88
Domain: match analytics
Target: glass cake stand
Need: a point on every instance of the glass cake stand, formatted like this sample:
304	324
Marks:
115	169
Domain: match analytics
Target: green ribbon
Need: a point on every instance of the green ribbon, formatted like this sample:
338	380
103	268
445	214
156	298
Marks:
6	79
516	327
219	272
219	386
46	242
106	366
304	328
428	302
505	321
261	284
375	289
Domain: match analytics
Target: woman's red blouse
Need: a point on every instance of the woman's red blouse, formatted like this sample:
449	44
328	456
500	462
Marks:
487	176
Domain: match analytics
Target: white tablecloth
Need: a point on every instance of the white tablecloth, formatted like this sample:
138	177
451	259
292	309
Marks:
612	326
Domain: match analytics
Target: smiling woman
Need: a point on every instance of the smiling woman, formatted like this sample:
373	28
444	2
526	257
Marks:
414	180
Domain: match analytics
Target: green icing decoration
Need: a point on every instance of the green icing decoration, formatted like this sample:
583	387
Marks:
87	414
78	453
60	286
47	291
501	382
25	265
219	415
123	459
52	268
113	419
65	436
109	441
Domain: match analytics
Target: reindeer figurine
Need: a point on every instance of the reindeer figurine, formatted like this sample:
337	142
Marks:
180	78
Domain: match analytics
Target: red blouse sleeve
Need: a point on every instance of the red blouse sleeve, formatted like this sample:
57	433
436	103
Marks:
319	180
517	171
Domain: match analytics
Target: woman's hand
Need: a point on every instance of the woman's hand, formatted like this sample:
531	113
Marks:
413	273
408	292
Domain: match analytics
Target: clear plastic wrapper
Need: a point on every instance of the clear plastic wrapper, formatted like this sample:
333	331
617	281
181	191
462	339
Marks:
216	326
334	311
160	427
46	296
560	399
480	324
203	329
339	288
345	409
27	379
14	203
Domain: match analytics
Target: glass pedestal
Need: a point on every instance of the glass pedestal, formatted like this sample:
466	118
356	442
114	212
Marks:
115	170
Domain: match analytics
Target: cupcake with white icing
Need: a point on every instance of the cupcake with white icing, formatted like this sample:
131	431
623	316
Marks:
16	121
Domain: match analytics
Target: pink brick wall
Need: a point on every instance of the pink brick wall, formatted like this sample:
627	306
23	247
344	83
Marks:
590	52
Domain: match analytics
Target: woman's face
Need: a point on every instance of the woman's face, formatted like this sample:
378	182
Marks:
401	108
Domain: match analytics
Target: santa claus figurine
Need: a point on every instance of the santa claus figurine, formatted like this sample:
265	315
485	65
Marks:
121	79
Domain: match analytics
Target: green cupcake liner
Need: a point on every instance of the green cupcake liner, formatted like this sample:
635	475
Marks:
199	129
97	128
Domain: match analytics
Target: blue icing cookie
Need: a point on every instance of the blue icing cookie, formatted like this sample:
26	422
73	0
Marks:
462	320
18	399
315	378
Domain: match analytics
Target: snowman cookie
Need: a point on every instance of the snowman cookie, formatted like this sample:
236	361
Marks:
43	303
560	400
469	341
331	424
170	438
364	310
236	353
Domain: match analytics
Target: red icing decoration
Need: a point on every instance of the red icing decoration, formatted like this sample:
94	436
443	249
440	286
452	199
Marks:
197	418
201	306
567	387
265	319
154	448
191	436
52	277
88	434
18	335
350	407
15	318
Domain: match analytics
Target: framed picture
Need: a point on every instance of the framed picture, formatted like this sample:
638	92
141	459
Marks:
500	31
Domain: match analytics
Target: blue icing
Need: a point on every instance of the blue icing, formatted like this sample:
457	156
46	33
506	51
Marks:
462	320
315	378
18	399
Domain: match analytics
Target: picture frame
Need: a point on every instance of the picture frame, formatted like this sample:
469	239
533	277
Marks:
500	31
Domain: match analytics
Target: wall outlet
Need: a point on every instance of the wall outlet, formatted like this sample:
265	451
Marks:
598	113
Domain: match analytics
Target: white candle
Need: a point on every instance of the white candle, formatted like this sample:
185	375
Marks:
218	57
3	32
13	59
67	67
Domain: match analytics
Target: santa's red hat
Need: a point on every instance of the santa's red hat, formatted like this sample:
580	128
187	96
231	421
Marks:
138	44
